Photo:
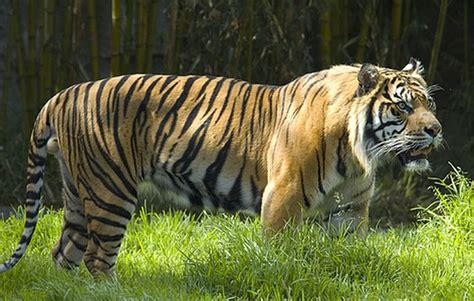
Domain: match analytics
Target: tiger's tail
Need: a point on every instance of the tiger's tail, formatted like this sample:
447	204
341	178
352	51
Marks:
37	154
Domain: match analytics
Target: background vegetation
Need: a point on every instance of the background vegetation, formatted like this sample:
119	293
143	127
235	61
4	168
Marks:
52	44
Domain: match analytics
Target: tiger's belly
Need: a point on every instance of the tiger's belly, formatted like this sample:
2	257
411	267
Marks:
228	192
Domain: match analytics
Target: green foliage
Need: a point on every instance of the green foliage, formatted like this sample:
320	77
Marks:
179	256
454	210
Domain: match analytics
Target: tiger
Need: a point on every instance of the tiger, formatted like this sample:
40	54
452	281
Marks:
216	143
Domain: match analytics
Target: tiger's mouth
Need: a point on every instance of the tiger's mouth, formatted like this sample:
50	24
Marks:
415	156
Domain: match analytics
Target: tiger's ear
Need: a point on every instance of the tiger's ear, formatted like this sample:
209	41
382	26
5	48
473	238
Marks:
414	65
368	77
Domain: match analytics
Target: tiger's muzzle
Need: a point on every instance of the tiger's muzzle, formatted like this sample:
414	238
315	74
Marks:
415	156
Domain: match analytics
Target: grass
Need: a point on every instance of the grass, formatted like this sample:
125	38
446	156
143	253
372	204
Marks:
177	256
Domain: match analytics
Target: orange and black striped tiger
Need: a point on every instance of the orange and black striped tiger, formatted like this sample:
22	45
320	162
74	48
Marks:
219	143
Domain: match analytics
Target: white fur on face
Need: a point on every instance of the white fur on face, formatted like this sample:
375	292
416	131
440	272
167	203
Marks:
418	165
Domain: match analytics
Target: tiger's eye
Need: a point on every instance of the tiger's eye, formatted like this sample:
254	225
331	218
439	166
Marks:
401	105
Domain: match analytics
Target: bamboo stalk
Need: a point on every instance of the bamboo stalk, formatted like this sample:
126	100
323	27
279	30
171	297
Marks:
31	70
151	35
184	19
396	30
40	50
141	35
406	13
276	26
466	41
325	32
127	53
437	41
364	32
345	17
92	20
76	69
234	67
336	29
250	32
7	77
19	45
115	51
27	119
66	47
47	60
171	49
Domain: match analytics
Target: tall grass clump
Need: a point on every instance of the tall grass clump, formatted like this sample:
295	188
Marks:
453	212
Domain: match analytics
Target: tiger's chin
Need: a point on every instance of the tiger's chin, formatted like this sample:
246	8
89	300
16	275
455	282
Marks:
415	160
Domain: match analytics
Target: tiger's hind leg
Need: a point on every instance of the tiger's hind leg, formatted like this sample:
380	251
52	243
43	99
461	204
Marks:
107	218
69	250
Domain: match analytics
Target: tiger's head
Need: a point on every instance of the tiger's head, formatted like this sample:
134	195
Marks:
401	119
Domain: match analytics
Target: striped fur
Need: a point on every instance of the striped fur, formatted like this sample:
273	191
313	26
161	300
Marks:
213	143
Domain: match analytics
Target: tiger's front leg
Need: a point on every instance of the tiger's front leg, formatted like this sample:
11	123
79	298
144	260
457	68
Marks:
286	197
282	203
351	213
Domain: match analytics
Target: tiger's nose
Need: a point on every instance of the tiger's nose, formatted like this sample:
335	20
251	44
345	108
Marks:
433	129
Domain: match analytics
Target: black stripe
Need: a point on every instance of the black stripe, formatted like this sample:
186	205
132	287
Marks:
369	133
106	221
323	140
202	96
244	105
172	112
305	197
213	171
33	195
114	209
228	94
103	176
320	184
106	237
76	244
168	80
341	154
316	94
216	91
98	125
76	227
116	128
130	92
194	146
192	116
34	178
37	160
